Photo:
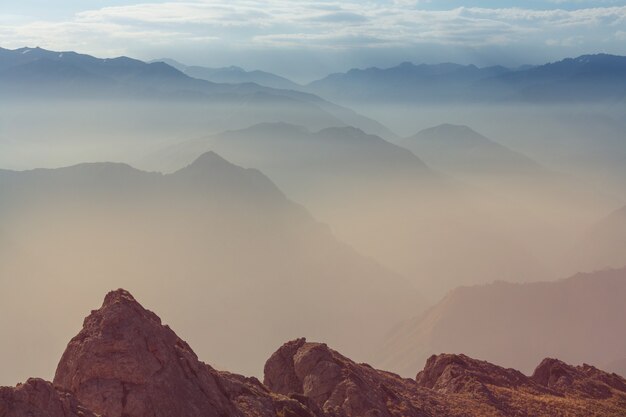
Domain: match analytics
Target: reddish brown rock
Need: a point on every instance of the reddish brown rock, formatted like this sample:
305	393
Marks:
337	385
125	363
449	385
585	380
39	398
449	374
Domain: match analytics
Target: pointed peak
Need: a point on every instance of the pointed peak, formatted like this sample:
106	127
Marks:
119	304
210	159
118	296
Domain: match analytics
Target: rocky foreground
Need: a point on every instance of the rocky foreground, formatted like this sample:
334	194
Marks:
126	363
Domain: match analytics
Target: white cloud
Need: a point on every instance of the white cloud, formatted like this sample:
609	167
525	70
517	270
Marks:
317	25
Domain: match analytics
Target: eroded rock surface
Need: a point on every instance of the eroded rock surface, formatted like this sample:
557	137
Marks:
449	385
39	398
125	363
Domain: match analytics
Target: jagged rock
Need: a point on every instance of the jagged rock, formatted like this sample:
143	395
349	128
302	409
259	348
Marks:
449	385
125	363
449	374
335	384
584	380
39	398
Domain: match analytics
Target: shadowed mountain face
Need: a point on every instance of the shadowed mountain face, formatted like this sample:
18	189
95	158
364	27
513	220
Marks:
516	325
583	79
223	238
233	75
126	363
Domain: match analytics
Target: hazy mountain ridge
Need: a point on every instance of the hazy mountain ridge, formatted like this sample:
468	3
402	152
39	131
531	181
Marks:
337	172
126	362
577	319
458	149
586	78
278	148
232	75
35	73
469	156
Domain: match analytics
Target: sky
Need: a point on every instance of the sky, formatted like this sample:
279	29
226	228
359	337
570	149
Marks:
305	40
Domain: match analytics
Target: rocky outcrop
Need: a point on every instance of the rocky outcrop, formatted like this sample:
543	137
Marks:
586	380
458	374
125	363
39	398
449	385
338	386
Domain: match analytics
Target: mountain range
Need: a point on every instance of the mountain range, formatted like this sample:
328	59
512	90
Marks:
35	73
588	78
125	363
232	75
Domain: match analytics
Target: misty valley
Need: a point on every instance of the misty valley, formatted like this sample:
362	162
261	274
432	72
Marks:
460	223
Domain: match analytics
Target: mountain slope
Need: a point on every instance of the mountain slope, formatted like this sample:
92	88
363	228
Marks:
460	150
604	244
592	78
233	75
528	187
577	319
220	237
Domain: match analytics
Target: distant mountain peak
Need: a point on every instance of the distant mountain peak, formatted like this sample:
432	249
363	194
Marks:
448	132
212	159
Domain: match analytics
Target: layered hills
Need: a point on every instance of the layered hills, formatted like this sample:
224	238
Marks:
232	75
89	108
223	238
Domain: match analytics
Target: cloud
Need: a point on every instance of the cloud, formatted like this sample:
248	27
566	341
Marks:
319	25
